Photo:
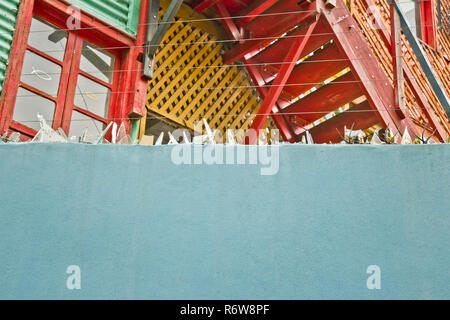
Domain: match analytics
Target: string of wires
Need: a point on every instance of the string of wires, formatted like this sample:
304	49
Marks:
213	18
249	114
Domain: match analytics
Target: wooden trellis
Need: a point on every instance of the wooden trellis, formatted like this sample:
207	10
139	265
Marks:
191	82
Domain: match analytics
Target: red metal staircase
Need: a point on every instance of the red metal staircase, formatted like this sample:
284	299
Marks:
274	37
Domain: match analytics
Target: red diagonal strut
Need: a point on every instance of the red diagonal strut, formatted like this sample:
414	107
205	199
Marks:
265	29
418	93
230	27
280	121
202	6
278	84
256	8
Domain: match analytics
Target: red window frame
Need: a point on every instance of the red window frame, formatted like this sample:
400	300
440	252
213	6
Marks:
73	77
428	22
127	90
64	101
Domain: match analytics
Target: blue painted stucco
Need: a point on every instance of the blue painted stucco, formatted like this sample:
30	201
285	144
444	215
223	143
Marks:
142	227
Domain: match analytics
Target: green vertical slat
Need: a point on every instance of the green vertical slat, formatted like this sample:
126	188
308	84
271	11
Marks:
122	14
8	15
133	15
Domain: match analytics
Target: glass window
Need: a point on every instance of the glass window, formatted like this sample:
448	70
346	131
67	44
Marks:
409	10
40	77
28	105
92	96
41	73
97	62
47	38
81	122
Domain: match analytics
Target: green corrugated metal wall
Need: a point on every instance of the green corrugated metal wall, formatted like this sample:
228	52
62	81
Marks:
122	14
8	14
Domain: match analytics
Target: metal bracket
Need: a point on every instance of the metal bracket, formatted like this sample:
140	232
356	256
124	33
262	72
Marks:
156	32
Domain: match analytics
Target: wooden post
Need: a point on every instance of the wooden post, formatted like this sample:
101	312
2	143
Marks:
397	61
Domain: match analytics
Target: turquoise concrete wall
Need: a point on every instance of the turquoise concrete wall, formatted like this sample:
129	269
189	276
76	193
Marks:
140	226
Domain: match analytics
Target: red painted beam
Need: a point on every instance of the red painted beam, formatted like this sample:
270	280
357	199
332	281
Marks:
283	14
417	91
256	8
91	26
328	98
138	87
271	55
293	54
264	76
13	72
266	29
228	23
253	70
280	121
362	116
365	66
202	6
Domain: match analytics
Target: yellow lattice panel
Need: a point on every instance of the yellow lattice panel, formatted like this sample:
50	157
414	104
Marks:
192	83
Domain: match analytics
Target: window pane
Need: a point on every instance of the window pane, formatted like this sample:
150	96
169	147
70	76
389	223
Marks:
409	10
47	38
97	62
41	73
81	122
92	96
28	105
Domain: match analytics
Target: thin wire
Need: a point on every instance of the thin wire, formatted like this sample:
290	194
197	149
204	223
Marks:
211	66
208	42
218	66
209	19
193	43
231	87
200	67
211	88
195	20
306	57
247	115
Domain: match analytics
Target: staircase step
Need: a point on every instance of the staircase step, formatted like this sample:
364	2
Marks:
253	10
263	30
326	99
375	83
275	53
315	70
283	15
357	116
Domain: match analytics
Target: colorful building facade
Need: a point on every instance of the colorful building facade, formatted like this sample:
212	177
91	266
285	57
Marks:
315	66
